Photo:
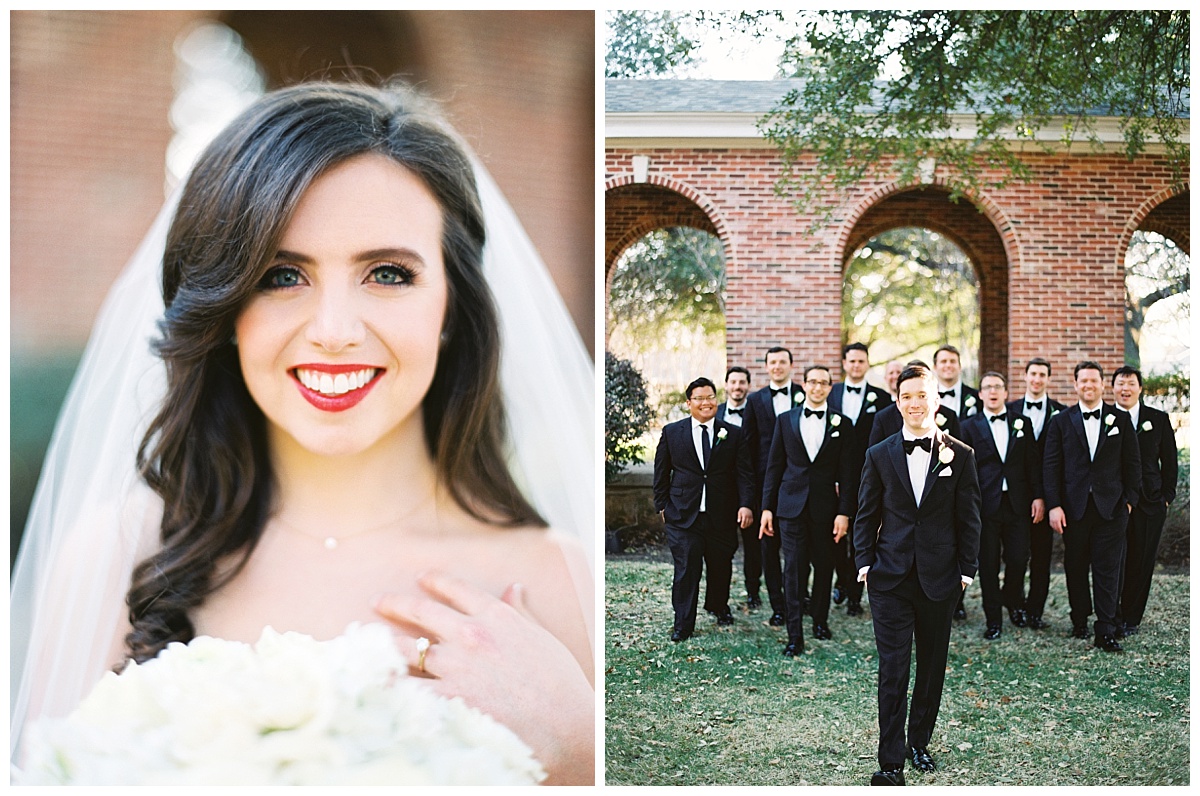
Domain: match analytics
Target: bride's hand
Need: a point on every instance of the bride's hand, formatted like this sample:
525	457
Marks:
493	654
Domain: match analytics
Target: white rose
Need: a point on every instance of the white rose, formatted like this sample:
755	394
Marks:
870	397
1146	426
1019	423
722	434
940	419
797	398
945	455
1108	420
835	420
970	401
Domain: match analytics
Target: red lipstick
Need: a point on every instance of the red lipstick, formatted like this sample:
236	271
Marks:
335	388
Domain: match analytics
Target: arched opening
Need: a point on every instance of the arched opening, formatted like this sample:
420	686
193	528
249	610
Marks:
1158	290
907	291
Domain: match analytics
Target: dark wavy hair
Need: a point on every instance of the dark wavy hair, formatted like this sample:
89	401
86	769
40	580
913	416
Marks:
206	453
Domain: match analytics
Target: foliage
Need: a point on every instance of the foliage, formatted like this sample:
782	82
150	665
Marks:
1039	75
1033	708
647	43
1175	546
671	276
627	415
1170	392
1155	270
913	289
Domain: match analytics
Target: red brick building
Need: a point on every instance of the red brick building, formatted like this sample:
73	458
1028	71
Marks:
1048	254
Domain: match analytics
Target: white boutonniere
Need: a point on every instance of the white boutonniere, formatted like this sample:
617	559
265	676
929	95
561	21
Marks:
1146	426
1108	420
797	398
940	419
1019	424
970	401
870	397
722	434
835	420
945	454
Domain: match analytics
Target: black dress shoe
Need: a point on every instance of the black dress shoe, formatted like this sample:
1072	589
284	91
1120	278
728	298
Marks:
1036	623
753	602
725	618
821	632
888	776
793	649
839	596
1018	617
960	613
922	760
854	608
1108	644
776	620
993	631
1131	630
1080	631
680	635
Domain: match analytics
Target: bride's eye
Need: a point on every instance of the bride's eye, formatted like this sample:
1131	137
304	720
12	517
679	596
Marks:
280	277
391	274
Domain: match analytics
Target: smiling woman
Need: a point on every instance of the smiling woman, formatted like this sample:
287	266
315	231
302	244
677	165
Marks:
330	444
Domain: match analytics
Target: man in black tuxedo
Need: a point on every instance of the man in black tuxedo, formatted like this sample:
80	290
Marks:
960	399
702	486
762	408
1039	408
917	542
888	420
1010	483
1093	473
733	411
859	402
1160	471
807	494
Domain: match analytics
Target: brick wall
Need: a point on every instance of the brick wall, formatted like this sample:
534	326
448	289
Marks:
1049	254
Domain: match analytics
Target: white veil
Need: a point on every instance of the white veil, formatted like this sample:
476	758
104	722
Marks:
92	518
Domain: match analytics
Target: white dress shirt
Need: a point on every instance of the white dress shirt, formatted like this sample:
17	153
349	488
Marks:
952	402
1133	413
812	429
999	430
1091	427
696	439
782	401
1037	417
735	420
852	402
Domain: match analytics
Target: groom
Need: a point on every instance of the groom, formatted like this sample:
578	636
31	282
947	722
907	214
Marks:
917	541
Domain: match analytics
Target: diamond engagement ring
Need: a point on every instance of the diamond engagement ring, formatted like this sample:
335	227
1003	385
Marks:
422	648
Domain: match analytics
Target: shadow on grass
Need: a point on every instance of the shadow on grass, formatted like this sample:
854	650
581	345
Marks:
1032	708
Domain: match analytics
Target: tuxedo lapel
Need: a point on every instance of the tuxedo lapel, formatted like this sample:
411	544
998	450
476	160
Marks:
794	426
689	442
1077	424
900	462
931	474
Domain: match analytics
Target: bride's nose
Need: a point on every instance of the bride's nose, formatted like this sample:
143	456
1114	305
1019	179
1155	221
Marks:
337	321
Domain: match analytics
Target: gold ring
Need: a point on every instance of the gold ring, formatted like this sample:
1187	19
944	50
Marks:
422	648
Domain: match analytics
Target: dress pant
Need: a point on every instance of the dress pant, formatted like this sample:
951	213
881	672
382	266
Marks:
847	573
1094	543
772	571
1041	548
806	540
901	616
720	545
1141	538
751	561
1005	537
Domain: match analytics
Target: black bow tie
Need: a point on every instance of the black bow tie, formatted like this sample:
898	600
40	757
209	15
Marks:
817	412
912	444
853	389
1033	405
1001	416
780	391
946	394
1092	415
729	411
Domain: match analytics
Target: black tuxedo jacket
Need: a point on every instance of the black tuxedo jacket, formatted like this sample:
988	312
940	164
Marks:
1113	478
721	412
1160	457
874	401
969	403
1022	465
679	477
1053	408
793	480
940	537
888	421
759	425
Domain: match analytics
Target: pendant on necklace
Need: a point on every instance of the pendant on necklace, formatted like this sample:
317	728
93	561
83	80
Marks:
330	543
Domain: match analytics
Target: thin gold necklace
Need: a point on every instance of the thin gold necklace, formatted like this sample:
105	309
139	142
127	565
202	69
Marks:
332	542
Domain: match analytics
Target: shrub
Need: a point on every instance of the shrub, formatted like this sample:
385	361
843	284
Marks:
627	415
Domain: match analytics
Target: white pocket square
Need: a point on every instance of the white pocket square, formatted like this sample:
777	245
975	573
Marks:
870	409
945	473
1113	431
835	434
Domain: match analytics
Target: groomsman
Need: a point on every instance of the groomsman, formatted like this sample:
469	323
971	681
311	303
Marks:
733	411
890	375
763	406
702	486
859	402
1010	483
1160	471
917	541
953	394
888	420
1093	473
1039	408
806	500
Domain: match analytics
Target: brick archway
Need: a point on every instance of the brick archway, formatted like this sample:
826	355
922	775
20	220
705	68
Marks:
974	229
634	209
1168	213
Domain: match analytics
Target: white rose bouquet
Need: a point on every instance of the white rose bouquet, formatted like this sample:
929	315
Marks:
289	710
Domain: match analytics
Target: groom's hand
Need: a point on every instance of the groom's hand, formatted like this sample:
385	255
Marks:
767	526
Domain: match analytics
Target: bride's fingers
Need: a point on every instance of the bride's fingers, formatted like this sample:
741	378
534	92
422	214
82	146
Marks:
514	595
456	593
419	613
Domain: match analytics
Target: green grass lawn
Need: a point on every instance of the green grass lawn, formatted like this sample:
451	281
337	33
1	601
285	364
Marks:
1033	708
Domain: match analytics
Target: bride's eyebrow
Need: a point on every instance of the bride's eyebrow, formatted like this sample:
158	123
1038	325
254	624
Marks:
387	253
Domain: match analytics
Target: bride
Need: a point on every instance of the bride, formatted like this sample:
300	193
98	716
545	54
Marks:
327	431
